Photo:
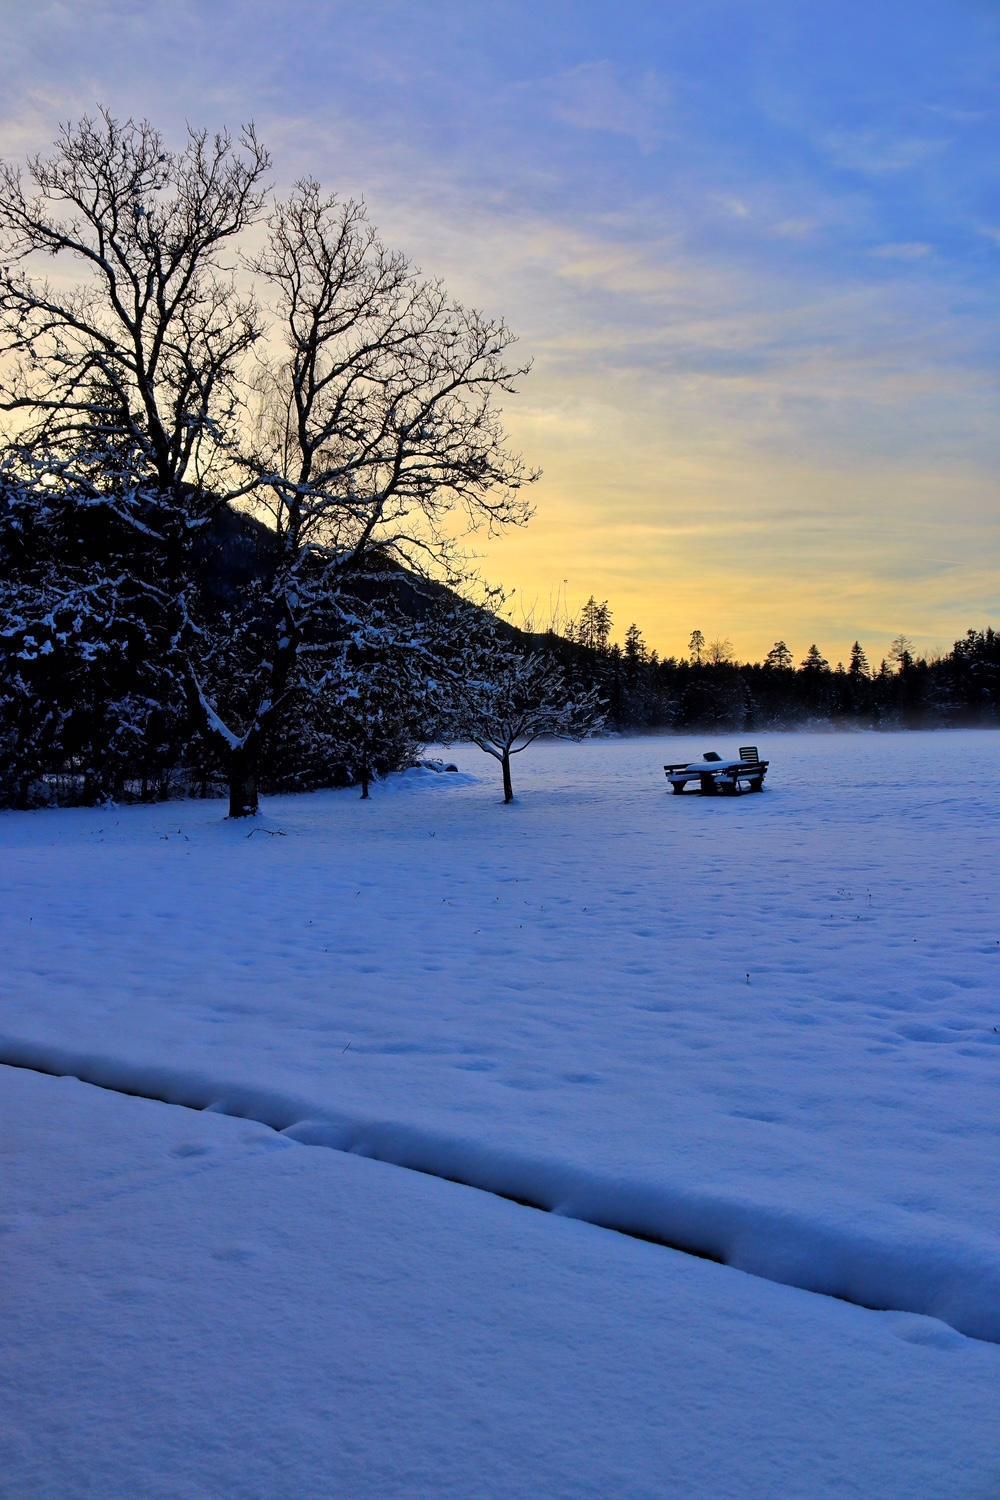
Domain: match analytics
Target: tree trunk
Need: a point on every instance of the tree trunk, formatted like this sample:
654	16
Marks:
243	783
508	788
365	781
93	789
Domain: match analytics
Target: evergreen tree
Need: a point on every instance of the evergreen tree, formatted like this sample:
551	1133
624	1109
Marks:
634	650
815	661
901	653
779	657
604	620
594	629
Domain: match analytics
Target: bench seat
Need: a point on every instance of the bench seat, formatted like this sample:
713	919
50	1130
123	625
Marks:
715	776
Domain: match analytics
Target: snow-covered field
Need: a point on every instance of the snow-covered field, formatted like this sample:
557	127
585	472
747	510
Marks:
765	1029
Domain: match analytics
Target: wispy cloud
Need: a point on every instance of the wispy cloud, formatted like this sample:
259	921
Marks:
794	229
877	152
748	418
903	250
598	96
956	115
736	208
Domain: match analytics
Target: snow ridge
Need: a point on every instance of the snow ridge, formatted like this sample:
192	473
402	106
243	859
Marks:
954	1280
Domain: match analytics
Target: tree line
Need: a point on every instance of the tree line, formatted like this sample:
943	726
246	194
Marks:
709	688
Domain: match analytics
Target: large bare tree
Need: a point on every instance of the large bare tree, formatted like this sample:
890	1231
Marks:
123	332
123	364
377	442
161	374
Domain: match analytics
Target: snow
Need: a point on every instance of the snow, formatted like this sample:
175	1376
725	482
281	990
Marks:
716	765
195	1306
763	1028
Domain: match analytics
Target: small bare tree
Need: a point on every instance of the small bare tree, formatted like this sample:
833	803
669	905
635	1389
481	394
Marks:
901	653
388	700
504	697
720	653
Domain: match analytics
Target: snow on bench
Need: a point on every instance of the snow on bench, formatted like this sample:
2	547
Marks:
715	775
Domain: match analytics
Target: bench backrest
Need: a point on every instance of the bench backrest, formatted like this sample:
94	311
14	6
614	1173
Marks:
749	752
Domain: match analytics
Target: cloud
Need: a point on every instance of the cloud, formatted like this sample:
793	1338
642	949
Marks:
773	210
736	208
30	123
903	250
794	229
876	152
597	96
958	116
744	420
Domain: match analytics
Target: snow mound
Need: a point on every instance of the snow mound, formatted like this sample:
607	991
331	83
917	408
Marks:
942	1277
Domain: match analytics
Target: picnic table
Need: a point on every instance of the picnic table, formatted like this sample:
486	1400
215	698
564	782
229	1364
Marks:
714	775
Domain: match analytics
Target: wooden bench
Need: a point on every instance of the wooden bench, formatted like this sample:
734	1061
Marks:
714	775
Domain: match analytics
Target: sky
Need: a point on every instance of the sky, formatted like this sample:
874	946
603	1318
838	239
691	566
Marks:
751	247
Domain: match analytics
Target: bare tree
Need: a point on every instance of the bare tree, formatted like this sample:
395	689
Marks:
388	701
130	387
505	697
375	431
901	653
720	653
121	379
125	370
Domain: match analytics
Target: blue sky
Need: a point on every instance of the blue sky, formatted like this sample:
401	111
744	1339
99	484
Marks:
752	247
